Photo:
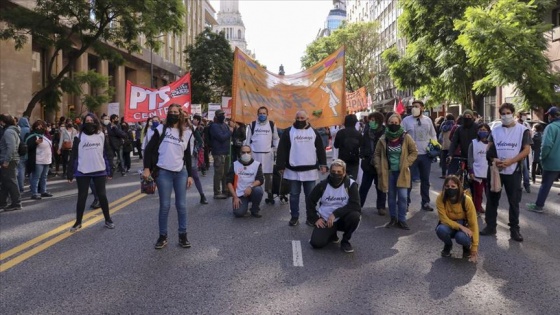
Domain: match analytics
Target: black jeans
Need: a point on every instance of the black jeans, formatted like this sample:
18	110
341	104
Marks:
352	170
367	179
65	158
9	185
321	237
512	186
83	188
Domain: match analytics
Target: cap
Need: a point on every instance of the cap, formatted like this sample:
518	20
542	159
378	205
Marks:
468	112
552	111
220	112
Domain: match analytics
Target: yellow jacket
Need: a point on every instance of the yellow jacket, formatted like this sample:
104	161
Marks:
449	213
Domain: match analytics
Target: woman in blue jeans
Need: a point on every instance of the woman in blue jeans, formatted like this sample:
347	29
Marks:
39	158
394	154
169	152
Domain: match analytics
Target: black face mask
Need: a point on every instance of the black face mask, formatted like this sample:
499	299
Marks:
467	122
335	179
221	119
40	131
300	124
172	118
89	128
394	128
451	192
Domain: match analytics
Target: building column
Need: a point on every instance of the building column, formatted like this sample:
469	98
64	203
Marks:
103	69
120	87
81	66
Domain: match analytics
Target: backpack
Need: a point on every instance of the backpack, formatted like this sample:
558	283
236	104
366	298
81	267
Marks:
351	150
254	123
22	148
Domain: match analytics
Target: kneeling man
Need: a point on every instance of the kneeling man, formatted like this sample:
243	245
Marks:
339	208
244	183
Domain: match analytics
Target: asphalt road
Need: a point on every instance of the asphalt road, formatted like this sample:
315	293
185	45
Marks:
252	266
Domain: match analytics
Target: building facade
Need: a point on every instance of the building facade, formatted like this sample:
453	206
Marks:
231	23
22	72
337	15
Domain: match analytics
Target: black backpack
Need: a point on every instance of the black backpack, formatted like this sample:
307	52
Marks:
350	152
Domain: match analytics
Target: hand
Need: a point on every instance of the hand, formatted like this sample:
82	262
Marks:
507	163
473	257
281	173
39	140
320	223
323	169
146	174
236	202
330	222
189	182
466	230
247	191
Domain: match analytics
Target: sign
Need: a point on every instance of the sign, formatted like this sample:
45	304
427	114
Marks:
227	105
356	101
319	90
113	109
196	109
143	103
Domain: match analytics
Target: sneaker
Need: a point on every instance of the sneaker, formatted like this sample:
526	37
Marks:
256	215
95	204
309	223
75	228
392	223
283	200
183	241
488	231
427	207
346	247
13	207
446	252
36	197
109	225
466	251
381	211
293	221
528	189
516	235
334	239
46	194
402	225
533	207
161	242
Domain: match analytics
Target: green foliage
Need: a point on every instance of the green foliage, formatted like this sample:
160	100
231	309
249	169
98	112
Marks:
210	61
100	93
361	40
77	25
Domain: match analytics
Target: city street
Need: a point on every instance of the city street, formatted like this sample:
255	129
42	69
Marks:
263	266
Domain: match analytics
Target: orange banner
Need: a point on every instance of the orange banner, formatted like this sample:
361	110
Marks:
356	101
319	90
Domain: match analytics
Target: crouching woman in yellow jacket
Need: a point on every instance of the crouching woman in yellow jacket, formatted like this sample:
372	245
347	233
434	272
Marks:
457	219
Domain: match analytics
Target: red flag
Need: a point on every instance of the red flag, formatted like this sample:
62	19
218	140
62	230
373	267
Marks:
399	107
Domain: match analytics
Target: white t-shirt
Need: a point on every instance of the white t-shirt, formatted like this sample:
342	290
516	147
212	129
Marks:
172	149
90	153
43	155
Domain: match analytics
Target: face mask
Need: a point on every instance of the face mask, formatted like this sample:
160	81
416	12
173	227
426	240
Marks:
173	118
262	118
373	125
89	128
416	112
523	118
335	179
483	134
451	192
300	124
106	122
245	158
394	128
40	131
467	122
506	119
221	119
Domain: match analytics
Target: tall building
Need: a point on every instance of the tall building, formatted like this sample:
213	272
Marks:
337	15
231	23
22	72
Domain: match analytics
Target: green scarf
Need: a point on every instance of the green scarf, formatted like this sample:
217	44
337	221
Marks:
394	135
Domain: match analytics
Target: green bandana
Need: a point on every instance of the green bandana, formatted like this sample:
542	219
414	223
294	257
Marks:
394	135
373	125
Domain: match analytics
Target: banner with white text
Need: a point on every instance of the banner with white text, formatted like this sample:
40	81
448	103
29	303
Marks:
142	102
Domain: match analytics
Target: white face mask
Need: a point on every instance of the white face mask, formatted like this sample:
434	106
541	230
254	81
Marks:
506	119
106	122
416	112
245	158
524	118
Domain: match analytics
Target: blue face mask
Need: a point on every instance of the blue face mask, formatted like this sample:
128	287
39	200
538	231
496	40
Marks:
262	118
483	134
155	124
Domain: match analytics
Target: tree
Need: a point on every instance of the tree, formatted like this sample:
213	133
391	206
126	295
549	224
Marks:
508	41
76	26
361	41
100	93
210	61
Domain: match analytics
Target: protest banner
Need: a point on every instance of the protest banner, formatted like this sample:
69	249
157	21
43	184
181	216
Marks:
356	101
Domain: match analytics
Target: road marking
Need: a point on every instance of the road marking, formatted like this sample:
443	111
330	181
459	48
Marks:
95	217
296	252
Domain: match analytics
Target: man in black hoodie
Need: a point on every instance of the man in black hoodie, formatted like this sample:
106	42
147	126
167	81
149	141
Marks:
348	142
464	135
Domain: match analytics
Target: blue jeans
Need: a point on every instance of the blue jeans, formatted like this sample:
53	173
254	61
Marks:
39	176
21	173
424	166
548	178
176	181
367	179
295	191
397	198
445	233
254	198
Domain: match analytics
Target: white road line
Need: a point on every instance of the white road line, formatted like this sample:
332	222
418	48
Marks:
296	251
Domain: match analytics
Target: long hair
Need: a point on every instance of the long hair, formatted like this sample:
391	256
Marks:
181	123
457	181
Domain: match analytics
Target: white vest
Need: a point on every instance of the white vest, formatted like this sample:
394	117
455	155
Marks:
302	152
90	153
508	144
261	137
480	164
172	149
332	199
244	176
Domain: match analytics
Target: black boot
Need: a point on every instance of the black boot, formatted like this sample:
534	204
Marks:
270	199
446	252
392	223
203	199
466	251
516	235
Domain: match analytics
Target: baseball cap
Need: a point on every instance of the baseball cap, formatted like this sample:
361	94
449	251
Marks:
220	112
552	111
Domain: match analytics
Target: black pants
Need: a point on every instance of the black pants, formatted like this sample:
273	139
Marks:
126	160
352	169
138	146
321	237
65	156
512	186
83	188
9	185
536	167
